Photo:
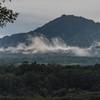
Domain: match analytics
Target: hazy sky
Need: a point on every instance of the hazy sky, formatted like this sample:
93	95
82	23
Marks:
34	13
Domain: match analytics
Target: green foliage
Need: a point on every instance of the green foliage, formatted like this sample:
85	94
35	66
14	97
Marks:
50	82
6	15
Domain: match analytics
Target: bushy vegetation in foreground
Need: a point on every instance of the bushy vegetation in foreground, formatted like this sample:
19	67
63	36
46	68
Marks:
49	82
69	96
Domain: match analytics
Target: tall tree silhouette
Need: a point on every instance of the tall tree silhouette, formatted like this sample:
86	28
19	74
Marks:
6	15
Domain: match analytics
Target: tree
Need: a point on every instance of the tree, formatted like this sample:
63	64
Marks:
6	15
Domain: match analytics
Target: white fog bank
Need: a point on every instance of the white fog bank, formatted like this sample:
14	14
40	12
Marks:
41	44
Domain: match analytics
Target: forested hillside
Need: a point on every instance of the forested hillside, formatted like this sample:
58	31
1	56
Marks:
50	81
74	30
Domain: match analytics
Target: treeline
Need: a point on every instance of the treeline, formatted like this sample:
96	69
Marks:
48	79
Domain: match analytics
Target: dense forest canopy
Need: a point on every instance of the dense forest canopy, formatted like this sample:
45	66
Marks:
65	81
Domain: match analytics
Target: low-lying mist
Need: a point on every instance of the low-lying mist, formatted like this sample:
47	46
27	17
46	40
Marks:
41	44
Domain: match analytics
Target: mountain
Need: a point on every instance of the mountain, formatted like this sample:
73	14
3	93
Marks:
75	30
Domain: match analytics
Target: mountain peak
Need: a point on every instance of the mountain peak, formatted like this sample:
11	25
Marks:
67	15
63	15
74	30
77	18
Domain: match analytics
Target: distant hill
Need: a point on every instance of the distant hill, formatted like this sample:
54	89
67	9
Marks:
77	31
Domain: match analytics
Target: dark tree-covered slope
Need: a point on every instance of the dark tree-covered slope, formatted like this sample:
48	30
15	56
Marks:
77	31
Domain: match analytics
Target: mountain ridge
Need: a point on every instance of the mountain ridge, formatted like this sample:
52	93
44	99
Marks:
74	30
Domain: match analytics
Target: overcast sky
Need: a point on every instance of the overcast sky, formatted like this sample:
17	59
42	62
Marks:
35	13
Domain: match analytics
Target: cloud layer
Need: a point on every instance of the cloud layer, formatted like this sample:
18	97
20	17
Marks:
40	44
